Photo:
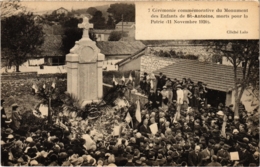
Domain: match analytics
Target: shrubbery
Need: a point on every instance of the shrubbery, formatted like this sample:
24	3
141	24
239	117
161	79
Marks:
173	54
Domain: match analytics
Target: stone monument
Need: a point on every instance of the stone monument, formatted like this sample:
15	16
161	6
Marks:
84	67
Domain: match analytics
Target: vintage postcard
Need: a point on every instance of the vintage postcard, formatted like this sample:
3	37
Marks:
130	83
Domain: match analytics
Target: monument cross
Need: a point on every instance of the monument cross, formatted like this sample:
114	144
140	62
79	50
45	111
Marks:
86	26
84	68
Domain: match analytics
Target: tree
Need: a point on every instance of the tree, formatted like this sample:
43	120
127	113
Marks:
116	35
11	8
98	20
91	11
119	9
110	23
239	52
72	33
21	38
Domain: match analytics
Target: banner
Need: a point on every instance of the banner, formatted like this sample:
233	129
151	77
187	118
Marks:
154	128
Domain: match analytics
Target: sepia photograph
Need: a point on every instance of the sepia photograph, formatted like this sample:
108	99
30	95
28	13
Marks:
118	83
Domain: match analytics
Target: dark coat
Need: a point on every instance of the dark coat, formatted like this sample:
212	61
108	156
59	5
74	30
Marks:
194	160
160	82
145	130
158	98
244	157
2	117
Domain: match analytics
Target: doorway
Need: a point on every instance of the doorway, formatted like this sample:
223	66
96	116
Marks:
214	97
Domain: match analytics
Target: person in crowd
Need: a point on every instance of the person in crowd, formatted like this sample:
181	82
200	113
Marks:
214	161
186	94
143	85
168	83
16	117
170	94
3	115
158	98
145	76
165	96
223	155
196	96
195	157
144	129
190	98
176	143
147	86
152	98
179	101
160	81
130	160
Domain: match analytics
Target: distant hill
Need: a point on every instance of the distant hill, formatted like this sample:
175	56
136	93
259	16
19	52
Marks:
103	9
83	11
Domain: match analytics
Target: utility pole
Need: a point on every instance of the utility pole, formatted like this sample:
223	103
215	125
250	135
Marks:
122	24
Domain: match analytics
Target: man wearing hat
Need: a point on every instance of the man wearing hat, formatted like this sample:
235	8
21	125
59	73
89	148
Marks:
152	98
16	117
165	96
160	81
144	129
214	161
195	157
243	154
206	154
158	98
223	155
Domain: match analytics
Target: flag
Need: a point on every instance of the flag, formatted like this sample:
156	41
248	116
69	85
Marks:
138	112
151	84
223	129
123	78
128	118
147	77
53	85
130	77
114	80
35	88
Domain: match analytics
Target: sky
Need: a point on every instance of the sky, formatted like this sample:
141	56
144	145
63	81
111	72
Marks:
47	5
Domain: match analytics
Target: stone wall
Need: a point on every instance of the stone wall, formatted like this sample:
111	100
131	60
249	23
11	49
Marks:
150	63
197	50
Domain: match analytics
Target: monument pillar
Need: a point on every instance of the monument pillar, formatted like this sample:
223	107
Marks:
72	73
84	68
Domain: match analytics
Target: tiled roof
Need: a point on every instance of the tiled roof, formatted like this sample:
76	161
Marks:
134	55
216	76
97	31
126	23
119	47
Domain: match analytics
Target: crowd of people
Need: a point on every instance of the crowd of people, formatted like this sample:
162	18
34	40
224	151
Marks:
190	133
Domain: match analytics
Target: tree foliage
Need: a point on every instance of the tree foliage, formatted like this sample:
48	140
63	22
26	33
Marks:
71	31
116	35
21	38
91	11
11	8
110	23
98	20
240	52
119	9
